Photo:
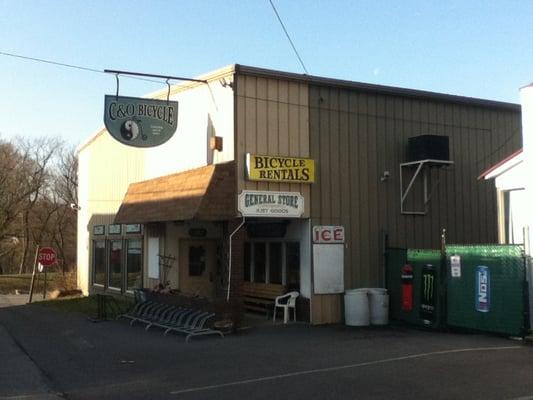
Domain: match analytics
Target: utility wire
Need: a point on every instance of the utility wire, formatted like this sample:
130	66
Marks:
288	37
501	146
41	60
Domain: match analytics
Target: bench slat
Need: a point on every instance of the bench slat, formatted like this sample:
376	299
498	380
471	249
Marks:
260	296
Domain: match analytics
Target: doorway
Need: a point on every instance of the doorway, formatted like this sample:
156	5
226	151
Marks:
197	267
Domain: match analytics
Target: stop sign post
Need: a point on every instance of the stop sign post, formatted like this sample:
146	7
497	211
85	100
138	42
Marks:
46	257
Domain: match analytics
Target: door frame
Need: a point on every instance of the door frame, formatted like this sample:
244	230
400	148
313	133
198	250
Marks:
182	269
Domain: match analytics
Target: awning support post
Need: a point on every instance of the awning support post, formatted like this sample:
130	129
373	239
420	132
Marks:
229	261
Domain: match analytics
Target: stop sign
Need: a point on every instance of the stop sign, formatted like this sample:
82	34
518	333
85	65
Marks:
47	256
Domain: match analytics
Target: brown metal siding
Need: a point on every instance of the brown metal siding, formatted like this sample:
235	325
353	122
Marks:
272	119
356	135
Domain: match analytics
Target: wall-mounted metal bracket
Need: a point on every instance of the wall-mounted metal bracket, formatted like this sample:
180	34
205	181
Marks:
421	166
167	77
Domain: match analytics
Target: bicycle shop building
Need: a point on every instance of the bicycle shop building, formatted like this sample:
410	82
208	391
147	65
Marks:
277	181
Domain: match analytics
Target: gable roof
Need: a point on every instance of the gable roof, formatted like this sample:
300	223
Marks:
502	166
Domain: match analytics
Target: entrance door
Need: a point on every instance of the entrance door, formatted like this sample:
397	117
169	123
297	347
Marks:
197	267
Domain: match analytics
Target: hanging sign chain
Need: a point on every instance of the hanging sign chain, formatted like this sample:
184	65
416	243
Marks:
118	85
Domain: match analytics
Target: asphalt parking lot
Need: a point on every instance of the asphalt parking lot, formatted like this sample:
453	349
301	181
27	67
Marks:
48	354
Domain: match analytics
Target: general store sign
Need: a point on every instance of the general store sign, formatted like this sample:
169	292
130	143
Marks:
271	204
280	169
140	122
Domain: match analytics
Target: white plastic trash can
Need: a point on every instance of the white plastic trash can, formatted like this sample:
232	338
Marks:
356	310
379	306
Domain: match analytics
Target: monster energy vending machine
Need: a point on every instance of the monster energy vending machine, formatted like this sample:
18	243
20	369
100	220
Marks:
415	279
428	289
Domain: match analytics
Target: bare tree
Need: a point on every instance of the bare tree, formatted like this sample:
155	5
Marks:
37	185
65	195
39	153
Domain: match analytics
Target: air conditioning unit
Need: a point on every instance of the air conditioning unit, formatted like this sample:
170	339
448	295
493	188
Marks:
428	147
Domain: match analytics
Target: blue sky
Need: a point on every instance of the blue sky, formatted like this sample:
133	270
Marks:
471	48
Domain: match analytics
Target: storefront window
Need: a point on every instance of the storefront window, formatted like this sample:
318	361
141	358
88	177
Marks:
196	260
134	263
247	261
272	262
275	262
292	259
115	264
99	262
259	262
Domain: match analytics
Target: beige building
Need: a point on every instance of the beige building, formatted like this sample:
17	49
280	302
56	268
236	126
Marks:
278	164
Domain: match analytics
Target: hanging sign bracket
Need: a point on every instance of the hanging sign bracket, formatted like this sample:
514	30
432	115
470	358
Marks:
167	77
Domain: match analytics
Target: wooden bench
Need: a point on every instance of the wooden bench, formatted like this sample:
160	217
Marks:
261	296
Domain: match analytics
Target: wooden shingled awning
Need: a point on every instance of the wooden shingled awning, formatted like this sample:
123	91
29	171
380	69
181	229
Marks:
206	193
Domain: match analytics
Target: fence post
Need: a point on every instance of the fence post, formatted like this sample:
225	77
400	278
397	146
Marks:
443	286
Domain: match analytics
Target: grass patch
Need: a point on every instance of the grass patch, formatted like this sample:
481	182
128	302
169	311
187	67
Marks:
89	305
9	284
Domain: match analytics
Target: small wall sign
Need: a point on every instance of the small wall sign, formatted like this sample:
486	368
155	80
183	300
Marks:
328	234
99	230
455	262
133	228
115	229
197	232
280	169
271	204
140	122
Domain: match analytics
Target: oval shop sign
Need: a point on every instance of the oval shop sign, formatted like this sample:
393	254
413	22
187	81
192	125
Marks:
140	122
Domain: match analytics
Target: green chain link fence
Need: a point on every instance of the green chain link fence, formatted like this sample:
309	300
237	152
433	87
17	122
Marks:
484	288
487	288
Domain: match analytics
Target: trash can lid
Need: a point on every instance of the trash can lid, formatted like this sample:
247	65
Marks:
378	290
359	290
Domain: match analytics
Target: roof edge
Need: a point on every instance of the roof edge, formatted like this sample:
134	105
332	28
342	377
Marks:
89	140
382	89
186	85
485	174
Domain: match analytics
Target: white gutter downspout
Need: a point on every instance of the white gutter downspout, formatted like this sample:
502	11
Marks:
229	266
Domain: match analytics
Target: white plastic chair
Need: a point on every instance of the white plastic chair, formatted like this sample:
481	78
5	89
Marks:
289	303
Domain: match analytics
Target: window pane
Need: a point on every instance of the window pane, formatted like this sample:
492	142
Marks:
196	260
115	264
259	262
275	262
293	265
247	261
99	262
134	264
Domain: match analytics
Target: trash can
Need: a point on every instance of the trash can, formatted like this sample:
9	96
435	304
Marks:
356	310
379	306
